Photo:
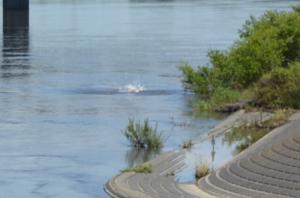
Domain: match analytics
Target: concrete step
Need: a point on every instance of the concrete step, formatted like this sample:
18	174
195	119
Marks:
291	145
171	166
271	185
168	162
284	151
226	180
216	188
280	164
246	186
268	172
274	155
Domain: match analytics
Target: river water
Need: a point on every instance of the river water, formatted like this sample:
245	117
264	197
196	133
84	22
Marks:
64	71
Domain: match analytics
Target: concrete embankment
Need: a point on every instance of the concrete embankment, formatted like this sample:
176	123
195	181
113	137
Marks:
269	168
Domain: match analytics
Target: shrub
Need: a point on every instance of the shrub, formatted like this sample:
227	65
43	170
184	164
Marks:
202	170
143	135
200	81
144	168
266	44
280	88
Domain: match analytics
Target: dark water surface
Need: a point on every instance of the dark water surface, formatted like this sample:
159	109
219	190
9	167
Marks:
63	76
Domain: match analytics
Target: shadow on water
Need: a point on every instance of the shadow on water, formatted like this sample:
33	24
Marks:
15	61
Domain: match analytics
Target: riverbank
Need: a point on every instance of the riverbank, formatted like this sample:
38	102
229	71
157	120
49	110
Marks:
268	169
162	181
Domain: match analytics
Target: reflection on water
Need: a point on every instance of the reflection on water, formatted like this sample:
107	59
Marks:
15	61
138	156
218	150
212	151
243	137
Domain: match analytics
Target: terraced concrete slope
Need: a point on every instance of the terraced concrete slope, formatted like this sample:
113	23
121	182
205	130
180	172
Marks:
160	183
268	169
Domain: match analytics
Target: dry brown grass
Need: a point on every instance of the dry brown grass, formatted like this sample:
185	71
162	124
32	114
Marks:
202	170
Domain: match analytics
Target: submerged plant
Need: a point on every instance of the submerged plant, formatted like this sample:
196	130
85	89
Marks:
143	135
187	144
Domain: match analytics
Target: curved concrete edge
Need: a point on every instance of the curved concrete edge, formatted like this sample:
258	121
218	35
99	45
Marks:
194	190
118	186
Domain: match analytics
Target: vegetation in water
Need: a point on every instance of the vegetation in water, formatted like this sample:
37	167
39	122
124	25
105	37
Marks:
187	144
219	97
144	168
202	170
138	156
248	134
143	135
267	54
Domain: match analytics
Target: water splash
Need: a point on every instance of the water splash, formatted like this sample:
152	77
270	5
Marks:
133	88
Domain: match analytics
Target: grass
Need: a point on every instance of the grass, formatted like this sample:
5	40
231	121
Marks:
187	144
143	135
144	168
202	170
220	97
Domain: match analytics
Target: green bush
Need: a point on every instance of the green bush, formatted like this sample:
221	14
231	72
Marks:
269	42
201	81
280	88
143	135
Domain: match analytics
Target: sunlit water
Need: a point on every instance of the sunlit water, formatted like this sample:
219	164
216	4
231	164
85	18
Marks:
64	77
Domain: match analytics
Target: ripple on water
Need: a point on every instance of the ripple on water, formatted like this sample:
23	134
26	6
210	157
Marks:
112	91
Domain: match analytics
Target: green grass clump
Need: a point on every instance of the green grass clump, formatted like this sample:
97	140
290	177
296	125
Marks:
143	135
202	170
267	44
220	97
144	168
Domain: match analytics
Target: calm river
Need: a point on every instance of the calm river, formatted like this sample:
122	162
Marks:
63	81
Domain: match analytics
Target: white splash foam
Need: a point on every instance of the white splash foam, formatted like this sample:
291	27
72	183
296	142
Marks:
134	88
